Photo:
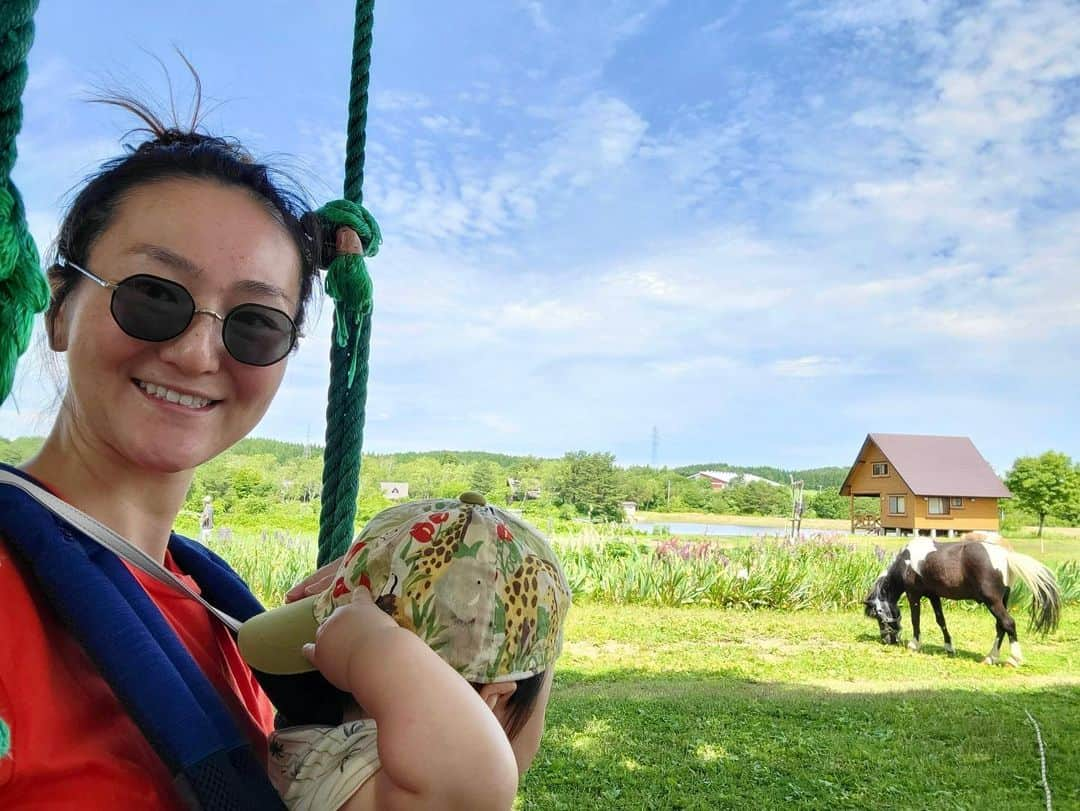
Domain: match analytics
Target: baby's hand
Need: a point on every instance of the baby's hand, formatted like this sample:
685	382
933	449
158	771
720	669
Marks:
314	583
346	637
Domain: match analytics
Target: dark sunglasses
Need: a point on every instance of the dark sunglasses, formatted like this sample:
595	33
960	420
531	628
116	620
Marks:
154	309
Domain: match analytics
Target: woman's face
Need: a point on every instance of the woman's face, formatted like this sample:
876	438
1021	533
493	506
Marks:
226	249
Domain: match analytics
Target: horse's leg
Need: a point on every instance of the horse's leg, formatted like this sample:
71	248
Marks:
939	615
1005	625
1016	657
915	602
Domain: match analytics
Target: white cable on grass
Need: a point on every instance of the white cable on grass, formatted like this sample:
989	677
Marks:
1042	760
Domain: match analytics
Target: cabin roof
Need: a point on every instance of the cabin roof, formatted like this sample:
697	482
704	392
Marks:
935	465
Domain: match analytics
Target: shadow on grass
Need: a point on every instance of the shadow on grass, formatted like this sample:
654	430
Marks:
931	649
711	740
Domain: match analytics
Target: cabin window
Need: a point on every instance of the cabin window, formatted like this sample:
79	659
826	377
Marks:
880	469
936	505
896	505
957	501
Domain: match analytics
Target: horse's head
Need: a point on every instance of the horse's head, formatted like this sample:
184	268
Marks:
886	611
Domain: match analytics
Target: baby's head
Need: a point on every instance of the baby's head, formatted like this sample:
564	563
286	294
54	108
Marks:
480	586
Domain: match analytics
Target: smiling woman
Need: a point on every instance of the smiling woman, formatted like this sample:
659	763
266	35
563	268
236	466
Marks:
236	245
179	282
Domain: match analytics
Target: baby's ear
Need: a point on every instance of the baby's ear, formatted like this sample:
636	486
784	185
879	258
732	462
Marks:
496	695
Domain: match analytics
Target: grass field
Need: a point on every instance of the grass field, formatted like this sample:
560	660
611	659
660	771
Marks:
707	709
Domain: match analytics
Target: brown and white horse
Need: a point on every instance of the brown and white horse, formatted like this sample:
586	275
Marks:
979	567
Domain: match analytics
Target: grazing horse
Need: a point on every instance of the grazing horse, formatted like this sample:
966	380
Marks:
978	568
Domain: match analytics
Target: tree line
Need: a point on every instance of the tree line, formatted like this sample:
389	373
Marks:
270	483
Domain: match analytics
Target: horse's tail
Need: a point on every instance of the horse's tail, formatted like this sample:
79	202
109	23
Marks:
1045	593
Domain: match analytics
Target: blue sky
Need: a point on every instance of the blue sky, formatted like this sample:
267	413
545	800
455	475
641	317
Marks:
765	228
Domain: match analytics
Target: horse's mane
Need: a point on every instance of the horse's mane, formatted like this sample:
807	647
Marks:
875	594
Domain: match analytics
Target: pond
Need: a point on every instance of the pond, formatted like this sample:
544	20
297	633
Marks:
720	530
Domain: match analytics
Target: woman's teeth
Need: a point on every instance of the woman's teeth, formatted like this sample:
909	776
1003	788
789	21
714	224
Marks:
162	393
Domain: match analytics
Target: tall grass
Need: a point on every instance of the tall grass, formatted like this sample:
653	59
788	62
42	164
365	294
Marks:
270	562
764	574
816	572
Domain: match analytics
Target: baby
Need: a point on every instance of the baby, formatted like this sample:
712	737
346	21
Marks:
444	622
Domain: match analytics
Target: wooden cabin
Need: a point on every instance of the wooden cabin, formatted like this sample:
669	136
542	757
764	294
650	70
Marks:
926	485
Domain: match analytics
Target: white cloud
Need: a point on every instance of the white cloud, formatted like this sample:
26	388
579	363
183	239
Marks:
1070	133
535	10
811	366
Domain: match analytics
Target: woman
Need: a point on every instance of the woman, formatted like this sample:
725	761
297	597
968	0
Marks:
180	283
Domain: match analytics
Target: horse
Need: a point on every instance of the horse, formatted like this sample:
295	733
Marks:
979	567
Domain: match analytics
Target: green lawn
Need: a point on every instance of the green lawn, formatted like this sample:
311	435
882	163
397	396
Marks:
707	709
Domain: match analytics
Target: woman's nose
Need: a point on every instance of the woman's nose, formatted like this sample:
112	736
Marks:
197	350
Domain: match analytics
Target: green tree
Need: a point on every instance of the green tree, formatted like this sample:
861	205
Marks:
589	482
487	478
1044	485
829	504
17	451
758	498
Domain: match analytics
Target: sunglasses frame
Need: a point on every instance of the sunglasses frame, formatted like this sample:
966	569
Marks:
115	286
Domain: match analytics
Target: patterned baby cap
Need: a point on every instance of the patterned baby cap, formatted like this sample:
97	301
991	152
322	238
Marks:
480	586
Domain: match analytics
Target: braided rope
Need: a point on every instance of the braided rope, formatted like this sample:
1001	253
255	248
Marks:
23	290
348	282
5	739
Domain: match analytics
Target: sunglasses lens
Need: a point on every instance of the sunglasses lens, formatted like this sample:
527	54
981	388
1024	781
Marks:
152	309
258	335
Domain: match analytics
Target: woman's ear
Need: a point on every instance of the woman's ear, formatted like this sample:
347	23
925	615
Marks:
56	326
56	330
56	318
496	695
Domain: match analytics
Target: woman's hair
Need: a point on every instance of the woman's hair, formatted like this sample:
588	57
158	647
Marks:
177	152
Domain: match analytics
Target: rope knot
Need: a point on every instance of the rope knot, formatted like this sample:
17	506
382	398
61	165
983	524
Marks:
348	282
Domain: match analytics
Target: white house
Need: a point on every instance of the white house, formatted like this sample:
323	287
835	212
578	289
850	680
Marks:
395	491
719	479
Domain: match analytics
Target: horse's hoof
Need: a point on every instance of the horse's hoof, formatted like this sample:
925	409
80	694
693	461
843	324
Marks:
950	652
1011	662
989	661
913	645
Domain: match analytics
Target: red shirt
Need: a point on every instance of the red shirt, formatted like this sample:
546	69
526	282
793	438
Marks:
72	743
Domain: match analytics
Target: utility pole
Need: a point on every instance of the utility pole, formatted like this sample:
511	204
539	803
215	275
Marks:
796	507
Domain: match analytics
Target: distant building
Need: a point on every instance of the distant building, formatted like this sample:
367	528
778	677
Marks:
927	485
629	509
719	479
522	491
395	491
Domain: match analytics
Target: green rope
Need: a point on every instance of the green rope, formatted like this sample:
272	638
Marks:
349	284
347	280
5	739
23	291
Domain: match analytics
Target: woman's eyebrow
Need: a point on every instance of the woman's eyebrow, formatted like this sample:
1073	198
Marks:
182	263
262	288
165	256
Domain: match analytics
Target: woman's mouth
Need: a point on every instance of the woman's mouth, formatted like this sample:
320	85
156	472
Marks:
186	400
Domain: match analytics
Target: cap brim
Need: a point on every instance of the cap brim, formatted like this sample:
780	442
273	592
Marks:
272	641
